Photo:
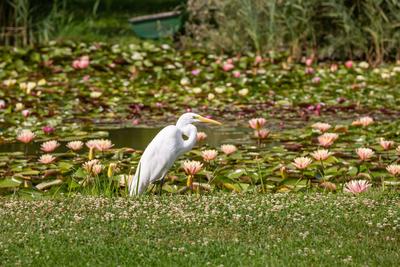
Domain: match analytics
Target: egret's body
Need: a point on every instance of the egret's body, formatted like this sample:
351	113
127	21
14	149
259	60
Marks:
163	150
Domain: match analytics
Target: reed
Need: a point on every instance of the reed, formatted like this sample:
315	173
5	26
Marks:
23	22
335	29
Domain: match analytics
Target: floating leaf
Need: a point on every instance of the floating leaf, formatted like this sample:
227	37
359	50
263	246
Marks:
9	183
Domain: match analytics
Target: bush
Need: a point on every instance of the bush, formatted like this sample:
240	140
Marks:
368	29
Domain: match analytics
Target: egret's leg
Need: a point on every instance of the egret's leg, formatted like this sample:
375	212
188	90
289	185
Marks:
162	182
153	185
161	185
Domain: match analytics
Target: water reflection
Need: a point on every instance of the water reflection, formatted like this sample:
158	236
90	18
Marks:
139	138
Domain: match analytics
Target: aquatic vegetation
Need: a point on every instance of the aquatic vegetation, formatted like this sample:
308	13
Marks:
26	136
201	136
228	149
191	168
321	126
321	154
386	144
46	159
75	145
302	163
365	153
364	121
261	134
48	104
209	155
257	123
327	139
49	146
356	186
393	169
81	63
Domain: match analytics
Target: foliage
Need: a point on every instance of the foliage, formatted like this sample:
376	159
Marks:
229	230
24	22
121	86
366	29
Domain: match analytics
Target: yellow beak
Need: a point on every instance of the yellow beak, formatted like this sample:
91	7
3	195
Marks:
202	119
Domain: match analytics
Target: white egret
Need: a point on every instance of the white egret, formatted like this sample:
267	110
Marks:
163	150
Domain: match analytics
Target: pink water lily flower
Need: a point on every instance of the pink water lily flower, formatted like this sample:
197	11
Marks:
364	121
192	167
93	166
316	79
321	126
236	74
97	168
302	162
365	153
75	145
348	64
334	67
385	144
46	159
2	104
309	70
209	155
48	129
257	123
26	136
201	136
261	134
196	72
104	144
393	169
228	149
26	113
258	59
81	63
327	139
356	186
99	144
49	146
228	66
321	154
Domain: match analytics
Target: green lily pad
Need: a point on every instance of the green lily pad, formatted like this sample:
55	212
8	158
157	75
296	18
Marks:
10	183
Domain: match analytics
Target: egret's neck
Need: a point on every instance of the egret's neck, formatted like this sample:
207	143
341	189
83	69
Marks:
182	123
190	132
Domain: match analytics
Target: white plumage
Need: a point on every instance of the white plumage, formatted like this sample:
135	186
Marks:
163	150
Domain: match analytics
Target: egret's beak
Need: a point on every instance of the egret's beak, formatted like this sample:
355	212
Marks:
202	119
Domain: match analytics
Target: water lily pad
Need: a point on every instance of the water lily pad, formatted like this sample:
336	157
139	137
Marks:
10	183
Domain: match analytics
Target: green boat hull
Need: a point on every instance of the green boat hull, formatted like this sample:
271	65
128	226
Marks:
157	27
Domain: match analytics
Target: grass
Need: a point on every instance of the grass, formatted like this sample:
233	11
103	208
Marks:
229	230
113	29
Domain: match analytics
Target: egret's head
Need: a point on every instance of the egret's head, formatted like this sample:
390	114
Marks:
189	118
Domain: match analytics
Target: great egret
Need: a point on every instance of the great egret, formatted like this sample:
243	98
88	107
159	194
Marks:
164	149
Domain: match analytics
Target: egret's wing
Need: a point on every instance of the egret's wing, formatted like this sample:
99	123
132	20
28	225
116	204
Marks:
157	158
161	153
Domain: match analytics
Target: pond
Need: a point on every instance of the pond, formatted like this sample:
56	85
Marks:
229	133
139	137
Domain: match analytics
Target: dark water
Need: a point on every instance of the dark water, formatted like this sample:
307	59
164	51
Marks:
139	137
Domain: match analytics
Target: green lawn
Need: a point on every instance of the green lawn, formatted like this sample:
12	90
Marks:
229	230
